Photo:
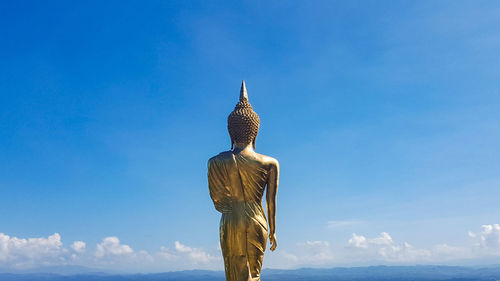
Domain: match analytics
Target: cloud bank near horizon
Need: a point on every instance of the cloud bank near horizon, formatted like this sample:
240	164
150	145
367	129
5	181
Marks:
111	253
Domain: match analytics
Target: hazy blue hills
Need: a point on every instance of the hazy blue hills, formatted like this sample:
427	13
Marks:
371	273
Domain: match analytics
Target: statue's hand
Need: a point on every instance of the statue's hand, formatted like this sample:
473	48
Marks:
272	240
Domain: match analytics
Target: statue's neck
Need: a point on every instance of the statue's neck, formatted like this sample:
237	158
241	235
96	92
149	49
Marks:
243	147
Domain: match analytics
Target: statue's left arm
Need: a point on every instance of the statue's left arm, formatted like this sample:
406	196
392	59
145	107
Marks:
272	191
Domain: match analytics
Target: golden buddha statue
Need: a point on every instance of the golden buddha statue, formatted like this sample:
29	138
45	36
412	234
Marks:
237	180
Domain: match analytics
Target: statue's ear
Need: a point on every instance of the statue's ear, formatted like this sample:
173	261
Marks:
232	144
253	143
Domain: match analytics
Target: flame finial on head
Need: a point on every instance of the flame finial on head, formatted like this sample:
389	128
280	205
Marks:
243	91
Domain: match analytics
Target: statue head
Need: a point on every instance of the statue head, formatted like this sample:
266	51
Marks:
243	122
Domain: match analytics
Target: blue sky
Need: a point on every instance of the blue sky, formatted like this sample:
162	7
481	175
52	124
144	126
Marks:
384	117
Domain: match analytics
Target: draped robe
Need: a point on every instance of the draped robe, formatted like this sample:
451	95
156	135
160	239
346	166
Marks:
236	185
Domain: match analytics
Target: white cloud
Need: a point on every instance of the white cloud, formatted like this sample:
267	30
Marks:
22	252
111	246
110	253
359	241
490	237
166	254
182	248
384	248
194	254
487	241
78	246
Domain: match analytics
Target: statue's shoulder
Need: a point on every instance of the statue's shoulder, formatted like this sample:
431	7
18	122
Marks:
223	156
268	160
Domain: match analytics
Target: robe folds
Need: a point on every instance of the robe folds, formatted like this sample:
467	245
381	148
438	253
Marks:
237	185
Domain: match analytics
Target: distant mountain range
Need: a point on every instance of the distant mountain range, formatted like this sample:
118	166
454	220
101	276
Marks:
370	273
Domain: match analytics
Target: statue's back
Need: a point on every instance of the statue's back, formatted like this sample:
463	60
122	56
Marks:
246	175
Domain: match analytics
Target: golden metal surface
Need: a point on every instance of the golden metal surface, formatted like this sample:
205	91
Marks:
237	180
